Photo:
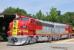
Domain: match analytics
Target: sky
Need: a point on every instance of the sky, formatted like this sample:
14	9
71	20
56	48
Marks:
33	6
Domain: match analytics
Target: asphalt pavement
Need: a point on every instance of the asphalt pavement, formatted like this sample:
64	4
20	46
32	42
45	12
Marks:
67	44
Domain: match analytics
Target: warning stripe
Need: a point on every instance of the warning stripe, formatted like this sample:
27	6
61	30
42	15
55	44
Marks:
14	29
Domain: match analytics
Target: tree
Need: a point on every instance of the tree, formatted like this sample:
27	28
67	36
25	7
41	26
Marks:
69	18
53	15
39	15
11	10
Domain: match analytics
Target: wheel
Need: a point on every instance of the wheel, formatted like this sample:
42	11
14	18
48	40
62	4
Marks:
49	38
27	40
32	39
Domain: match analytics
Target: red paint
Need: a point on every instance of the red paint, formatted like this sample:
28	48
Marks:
31	26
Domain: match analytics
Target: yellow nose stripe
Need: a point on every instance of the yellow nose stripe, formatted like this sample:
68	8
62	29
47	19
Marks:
15	26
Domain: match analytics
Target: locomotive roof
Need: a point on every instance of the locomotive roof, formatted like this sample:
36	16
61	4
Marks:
53	23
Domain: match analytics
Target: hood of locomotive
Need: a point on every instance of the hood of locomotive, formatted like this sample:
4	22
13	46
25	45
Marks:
17	27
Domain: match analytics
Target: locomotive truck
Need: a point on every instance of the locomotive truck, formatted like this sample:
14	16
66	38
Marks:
26	30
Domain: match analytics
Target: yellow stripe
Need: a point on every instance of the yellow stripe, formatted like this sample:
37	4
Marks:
15	28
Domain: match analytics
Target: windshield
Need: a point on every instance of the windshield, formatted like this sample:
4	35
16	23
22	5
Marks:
16	19
24	19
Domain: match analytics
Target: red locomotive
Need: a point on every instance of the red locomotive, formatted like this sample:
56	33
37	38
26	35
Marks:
25	30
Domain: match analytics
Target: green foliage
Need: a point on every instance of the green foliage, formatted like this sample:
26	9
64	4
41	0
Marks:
11	10
53	15
39	15
69	18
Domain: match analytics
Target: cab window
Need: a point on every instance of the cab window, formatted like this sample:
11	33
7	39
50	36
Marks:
24	19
